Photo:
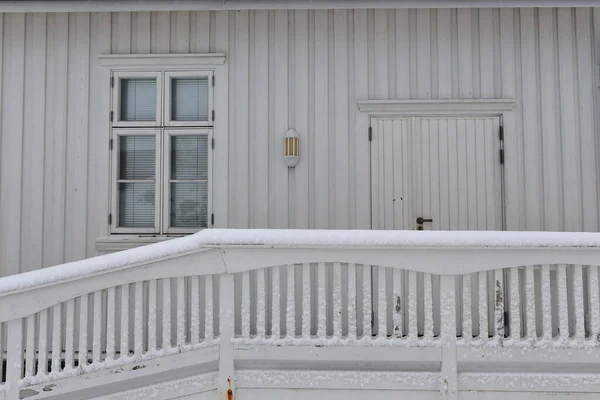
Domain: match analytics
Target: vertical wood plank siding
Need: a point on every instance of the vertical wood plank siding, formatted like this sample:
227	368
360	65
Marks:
292	69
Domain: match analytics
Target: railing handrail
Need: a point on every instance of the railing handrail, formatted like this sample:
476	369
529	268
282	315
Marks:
219	251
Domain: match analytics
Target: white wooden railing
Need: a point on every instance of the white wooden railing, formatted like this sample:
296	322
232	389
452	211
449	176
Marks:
223	290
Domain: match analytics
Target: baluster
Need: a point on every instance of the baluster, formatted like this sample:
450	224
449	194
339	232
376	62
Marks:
428	306
14	357
515	304
498	304
352	306
578	294
125	320
152	308
69	334
245	304
42	345
30	347
138	316
398	303
56	337
290	313
337	300
448	335
260	303
111	323
83	330
412	304
546	306
180	311
322	300
367	301
381	303
467	319
97	332
306	293
563	304
483	309
195	312
166	314
594	303
276	324
208	312
530	303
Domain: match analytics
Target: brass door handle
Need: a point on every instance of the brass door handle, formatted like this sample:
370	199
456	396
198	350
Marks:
420	220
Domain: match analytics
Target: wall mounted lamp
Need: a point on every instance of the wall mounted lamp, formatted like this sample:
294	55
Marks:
292	155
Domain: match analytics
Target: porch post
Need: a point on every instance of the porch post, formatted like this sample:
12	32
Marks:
227	330
449	388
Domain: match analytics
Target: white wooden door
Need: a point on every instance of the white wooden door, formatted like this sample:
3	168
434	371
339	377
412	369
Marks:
439	168
444	169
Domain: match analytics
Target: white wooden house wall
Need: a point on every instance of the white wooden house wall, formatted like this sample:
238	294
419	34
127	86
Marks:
292	69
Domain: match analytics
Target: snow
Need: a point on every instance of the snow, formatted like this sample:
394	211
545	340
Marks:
212	238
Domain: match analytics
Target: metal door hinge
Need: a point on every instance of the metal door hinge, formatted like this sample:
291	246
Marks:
370	134
213	81
501	132
212	219
110	219
110	144
501	156
112	81
212	143
111	116
213	115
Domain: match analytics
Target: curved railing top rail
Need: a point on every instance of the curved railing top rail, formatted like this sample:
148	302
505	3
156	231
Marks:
236	244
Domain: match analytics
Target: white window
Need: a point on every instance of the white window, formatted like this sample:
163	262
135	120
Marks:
161	144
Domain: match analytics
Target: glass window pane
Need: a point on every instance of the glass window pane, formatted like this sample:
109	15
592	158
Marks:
138	99
189	157
189	99
136	205
137	157
189	204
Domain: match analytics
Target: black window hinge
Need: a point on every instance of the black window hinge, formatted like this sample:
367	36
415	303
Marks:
213	81
501	156
111	116
213	115
212	143
370	134
501	132
212	219
112	81
110	144
110	219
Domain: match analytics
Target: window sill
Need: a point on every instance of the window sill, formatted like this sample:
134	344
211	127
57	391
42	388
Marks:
114	243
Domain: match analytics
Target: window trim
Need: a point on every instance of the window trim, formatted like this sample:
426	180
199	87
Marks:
168	76
116	134
120	75
166	205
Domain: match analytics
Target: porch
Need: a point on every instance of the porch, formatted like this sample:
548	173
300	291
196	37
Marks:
336	314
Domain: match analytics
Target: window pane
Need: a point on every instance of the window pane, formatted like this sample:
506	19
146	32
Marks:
189	204
137	157
189	99
189	157
136	205
138	99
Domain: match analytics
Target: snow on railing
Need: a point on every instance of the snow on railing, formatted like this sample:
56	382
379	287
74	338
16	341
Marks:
263	287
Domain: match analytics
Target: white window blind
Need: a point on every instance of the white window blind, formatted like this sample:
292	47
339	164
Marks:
189	181
136	181
189	99
138	99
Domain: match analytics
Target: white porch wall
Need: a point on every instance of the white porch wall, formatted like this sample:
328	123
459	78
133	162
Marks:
292	69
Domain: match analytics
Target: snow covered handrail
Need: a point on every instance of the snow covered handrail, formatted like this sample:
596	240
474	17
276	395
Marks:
230	288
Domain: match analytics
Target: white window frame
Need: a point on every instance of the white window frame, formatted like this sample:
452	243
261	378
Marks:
118	77
166	182
116	135
168	77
